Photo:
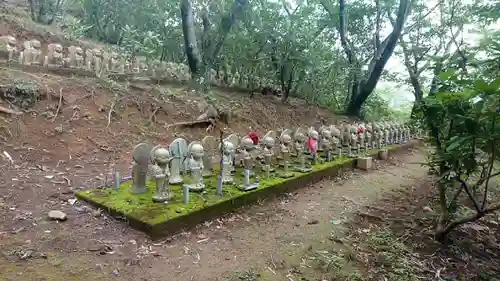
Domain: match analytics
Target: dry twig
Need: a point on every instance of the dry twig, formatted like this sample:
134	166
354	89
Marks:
58	106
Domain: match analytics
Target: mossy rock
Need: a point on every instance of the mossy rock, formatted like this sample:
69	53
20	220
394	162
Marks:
159	219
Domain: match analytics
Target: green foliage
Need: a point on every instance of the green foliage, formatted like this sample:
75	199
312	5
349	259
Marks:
44	11
462	118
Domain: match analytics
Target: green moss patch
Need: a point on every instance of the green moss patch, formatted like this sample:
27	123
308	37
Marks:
158	219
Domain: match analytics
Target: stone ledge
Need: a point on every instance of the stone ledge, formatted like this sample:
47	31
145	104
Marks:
159	220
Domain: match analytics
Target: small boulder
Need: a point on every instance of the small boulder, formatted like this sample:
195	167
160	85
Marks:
57	215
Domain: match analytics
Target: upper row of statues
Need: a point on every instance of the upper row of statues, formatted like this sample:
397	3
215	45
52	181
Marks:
100	62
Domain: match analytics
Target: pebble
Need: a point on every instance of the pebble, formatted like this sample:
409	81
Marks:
57	215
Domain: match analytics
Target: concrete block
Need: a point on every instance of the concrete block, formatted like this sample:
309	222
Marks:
383	155
364	163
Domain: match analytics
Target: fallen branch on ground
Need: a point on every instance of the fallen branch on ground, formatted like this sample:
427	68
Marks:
9	111
58	105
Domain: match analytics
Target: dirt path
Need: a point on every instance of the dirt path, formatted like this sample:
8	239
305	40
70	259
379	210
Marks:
273	240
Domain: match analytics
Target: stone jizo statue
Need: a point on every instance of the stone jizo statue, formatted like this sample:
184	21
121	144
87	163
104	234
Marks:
196	153
160	172
141	157
8	47
300	139
227	161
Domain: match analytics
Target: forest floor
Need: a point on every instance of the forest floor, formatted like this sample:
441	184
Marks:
76	131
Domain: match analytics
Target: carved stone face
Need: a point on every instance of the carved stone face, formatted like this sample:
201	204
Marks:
286	139
247	143
314	134
79	51
299	138
97	53
11	42
36	44
162	155
327	134
228	148
197	151
269	142
114	56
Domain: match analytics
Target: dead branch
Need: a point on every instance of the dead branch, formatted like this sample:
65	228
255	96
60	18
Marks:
58	106
9	111
111	109
153	114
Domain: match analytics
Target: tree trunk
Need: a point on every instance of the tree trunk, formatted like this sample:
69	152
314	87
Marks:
366	86
190	42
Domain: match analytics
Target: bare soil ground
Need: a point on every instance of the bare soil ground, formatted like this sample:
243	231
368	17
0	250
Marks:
281	239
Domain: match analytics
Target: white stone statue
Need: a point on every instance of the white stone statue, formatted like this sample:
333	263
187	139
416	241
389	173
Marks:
31	53
141	157
268	142
54	55
75	57
196	153
326	143
179	151
300	138
354	144
160	172
285	147
8	47
247	146
209	144
227	161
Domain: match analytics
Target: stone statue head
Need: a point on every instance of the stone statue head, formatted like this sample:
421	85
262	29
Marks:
36	44
313	134
247	143
11	41
196	150
327	134
161	155
269	142
286	139
228	148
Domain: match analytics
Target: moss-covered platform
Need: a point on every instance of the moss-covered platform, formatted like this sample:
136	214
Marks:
157	219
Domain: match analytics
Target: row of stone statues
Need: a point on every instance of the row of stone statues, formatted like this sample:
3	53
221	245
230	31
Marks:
101	62
300	148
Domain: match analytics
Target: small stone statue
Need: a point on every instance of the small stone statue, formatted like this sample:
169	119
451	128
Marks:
141	159
361	139
312	144
160	157
54	55
326	143
209	144
178	151
300	139
336	144
354	145
227	161
285	142
268	142
346	138
8	47
196	152
75	57
31	53
248	146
